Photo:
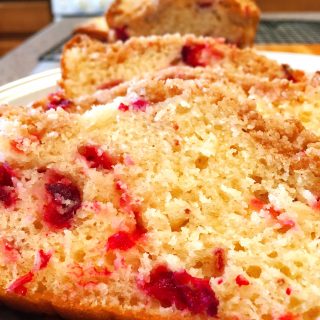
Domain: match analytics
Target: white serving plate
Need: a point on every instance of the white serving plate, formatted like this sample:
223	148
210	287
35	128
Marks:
29	89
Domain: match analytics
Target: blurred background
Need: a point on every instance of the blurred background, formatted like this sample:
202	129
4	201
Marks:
20	19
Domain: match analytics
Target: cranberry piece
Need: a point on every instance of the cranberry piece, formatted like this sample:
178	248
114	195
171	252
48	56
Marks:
274	212
140	105
7	191
17	145
242	281
200	55
182	290
286	224
18	286
257	204
219	260
136	105
57	100
97	158
288	291
64	201
123	107
121	240
42	259
122	34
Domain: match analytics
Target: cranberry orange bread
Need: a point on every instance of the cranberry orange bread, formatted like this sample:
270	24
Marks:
96	28
235	20
88	65
177	200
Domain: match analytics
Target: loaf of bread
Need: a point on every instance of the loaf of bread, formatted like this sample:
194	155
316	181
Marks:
96	28
235	20
88	65
176	200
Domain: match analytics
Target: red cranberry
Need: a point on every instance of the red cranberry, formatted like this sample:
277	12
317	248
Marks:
140	105
64	201
257	204
288	291
274	212
121	240
242	281
124	240
97	158
58	100
286	224
122	34
182	290
8	194
123	107
17	145
42	259
18	286
200	55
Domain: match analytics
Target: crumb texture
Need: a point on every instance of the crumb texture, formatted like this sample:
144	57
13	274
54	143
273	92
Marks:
181	197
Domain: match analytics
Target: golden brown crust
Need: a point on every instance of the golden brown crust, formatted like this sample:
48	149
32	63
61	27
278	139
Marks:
74	311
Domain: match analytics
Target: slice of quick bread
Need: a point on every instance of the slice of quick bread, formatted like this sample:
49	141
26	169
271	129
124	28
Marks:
88	65
235	20
177	200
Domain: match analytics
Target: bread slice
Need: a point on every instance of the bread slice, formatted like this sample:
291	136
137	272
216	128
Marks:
96	28
177	200
88	65
290	99
235	20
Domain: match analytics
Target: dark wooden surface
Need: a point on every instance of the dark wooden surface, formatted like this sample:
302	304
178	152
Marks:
19	20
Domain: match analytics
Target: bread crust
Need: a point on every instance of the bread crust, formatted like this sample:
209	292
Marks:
74	311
